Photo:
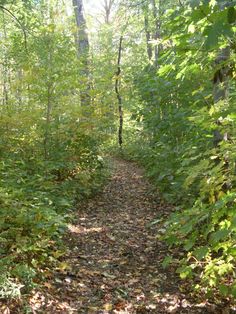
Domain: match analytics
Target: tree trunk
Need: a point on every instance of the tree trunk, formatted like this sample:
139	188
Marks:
107	7
19	89
148	36
82	36
221	87
221	79
157	34
6	73
120	109
82	43
48	122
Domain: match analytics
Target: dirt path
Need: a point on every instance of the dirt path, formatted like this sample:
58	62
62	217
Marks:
114	264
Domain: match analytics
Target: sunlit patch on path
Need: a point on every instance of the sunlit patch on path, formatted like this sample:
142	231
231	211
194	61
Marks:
114	261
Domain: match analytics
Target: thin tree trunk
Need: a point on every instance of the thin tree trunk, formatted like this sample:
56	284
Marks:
107	7
19	89
48	122
221	87
49	103
120	109
221	79
6	75
148	36
221	94
157	33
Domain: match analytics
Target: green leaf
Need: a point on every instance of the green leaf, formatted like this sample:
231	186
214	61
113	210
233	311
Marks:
219	235
224	290
231	15
215	31
189	244
201	252
185	271
166	69
167	261
233	290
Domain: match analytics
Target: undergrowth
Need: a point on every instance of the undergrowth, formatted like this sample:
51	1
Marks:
38	198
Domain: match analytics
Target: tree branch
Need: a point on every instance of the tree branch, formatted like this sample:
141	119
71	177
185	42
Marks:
18	21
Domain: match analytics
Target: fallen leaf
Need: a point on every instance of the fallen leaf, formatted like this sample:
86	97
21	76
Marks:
108	306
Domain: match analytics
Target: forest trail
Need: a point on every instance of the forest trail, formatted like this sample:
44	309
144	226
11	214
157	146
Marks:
115	259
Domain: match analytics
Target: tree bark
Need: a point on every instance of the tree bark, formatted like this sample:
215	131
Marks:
82	43
221	79
6	73
221	87
82	36
148	36
157	34
120	109
48	122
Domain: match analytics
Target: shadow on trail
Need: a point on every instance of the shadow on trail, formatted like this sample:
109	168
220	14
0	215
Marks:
114	264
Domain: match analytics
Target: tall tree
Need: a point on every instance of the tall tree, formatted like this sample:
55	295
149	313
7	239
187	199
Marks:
82	36
82	42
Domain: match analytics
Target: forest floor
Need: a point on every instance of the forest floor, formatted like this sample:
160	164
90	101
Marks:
114	260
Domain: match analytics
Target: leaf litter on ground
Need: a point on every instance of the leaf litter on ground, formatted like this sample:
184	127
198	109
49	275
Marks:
116	262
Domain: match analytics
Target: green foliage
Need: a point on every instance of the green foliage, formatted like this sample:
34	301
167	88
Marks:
49	150
180	124
173	133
